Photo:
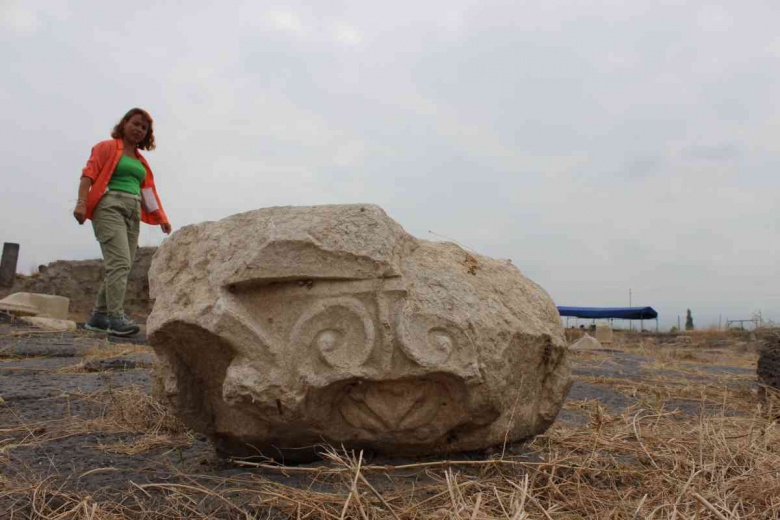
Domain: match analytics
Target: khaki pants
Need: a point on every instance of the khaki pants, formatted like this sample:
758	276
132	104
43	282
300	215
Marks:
116	222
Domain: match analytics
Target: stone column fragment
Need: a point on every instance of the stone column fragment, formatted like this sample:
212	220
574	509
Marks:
8	264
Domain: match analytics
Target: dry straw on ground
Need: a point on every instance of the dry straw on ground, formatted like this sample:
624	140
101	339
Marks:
125	410
651	461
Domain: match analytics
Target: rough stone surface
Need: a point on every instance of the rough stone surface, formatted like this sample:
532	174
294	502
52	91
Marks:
573	334
8	263
604	333
587	342
52	324
768	366
284	328
79	281
34	304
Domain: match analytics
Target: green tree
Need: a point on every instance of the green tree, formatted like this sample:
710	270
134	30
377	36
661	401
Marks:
688	320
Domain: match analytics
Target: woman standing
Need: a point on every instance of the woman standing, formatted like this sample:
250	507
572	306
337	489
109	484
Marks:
117	192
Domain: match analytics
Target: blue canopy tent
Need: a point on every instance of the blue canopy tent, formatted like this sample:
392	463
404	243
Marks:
622	313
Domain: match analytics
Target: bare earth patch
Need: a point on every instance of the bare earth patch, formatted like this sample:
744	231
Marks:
651	429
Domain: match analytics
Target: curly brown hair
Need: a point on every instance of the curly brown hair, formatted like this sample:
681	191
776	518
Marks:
148	142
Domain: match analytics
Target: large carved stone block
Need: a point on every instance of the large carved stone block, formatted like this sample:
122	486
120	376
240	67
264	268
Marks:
284	328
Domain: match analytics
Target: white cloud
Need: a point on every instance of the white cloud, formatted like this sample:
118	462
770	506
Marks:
476	138
18	18
454	21
26	17
313	30
773	48
714	18
346	34
350	153
286	21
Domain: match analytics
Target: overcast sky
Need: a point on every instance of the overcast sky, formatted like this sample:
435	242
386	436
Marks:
601	145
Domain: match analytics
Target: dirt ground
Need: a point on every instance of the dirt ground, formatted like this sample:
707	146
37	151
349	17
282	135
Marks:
654	427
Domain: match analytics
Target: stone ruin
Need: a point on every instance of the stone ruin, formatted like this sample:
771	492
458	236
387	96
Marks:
79	281
282	329
768	366
604	334
586	342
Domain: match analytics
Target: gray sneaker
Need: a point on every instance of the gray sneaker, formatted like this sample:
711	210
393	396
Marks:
121	326
98	322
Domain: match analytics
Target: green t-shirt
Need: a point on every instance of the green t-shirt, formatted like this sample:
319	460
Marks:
128	176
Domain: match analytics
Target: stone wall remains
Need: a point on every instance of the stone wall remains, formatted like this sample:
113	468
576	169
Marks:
79	280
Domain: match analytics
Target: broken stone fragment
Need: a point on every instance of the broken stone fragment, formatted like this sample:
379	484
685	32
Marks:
285	328
50	324
34	304
768	368
587	342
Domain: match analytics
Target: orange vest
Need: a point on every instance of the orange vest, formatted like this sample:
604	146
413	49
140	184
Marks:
100	167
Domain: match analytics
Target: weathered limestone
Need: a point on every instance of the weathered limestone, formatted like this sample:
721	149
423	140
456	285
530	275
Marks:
573	335
283	328
587	342
33	304
604	333
768	365
50	324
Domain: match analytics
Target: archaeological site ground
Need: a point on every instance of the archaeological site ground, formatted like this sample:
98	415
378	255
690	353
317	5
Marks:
655	426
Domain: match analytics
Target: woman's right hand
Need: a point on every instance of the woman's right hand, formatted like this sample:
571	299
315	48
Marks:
80	213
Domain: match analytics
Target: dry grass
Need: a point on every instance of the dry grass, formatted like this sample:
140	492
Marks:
127	410
692	354
105	352
132	410
110	350
661	389
634	465
648	462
